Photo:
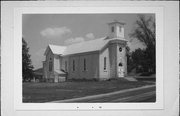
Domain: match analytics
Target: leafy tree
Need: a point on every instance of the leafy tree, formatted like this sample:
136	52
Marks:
139	60
27	67
130	64
145	33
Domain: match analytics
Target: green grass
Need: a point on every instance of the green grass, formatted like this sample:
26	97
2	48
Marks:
44	92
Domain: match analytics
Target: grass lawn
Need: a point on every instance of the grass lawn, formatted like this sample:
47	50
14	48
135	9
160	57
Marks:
45	92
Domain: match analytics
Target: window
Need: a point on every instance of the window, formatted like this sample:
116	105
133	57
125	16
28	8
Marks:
65	65
50	65
120	64
84	64
112	29
73	65
104	63
120	28
120	49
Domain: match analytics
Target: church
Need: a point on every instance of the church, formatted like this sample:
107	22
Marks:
100	59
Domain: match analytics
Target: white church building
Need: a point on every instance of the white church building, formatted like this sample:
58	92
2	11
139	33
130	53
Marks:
100	59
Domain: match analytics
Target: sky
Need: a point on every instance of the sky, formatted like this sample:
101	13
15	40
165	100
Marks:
39	30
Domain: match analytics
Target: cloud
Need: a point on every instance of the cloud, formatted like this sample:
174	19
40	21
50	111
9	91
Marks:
40	52
54	32
74	40
79	39
38	57
135	44
90	36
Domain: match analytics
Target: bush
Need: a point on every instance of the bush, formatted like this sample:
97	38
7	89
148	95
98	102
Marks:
83	79
46	80
146	74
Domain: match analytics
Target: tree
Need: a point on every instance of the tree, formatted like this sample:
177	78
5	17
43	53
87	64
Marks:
27	67
139	59
130	64
145	33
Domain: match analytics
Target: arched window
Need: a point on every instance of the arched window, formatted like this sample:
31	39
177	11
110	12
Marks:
120	49
120	28
73	65
84	64
104	63
120	64
50	66
65	65
112	29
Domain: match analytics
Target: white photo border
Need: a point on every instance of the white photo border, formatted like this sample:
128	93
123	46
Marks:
19	105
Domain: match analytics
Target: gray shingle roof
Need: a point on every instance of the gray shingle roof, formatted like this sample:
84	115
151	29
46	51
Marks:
56	49
87	46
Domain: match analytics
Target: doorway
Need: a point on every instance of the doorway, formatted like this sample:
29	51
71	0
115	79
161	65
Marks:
120	70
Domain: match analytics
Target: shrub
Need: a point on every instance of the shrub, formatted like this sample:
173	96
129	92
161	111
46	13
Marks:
146	74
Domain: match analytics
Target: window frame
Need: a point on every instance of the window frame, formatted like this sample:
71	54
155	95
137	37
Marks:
105	63
112	29
66	66
84	64
121	49
73	65
121	64
50	66
120	28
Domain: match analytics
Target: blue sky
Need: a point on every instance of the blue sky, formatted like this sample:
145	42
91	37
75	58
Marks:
39	30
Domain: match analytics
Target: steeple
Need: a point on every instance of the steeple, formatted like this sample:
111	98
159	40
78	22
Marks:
116	29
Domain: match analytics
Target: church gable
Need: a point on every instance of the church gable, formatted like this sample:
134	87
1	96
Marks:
83	47
49	62
55	49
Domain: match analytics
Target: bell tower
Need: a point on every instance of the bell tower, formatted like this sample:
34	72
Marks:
116	29
117	49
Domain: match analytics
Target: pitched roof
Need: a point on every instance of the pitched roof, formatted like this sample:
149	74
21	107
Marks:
122	23
87	46
56	49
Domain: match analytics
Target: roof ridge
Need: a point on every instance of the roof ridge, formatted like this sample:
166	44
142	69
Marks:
87	46
87	41
56	45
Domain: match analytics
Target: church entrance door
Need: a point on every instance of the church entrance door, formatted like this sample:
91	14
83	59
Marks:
120	70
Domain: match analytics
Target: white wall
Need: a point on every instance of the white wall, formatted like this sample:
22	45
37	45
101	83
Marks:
48	56
121	57
62	63
117	32
104	74
92	66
